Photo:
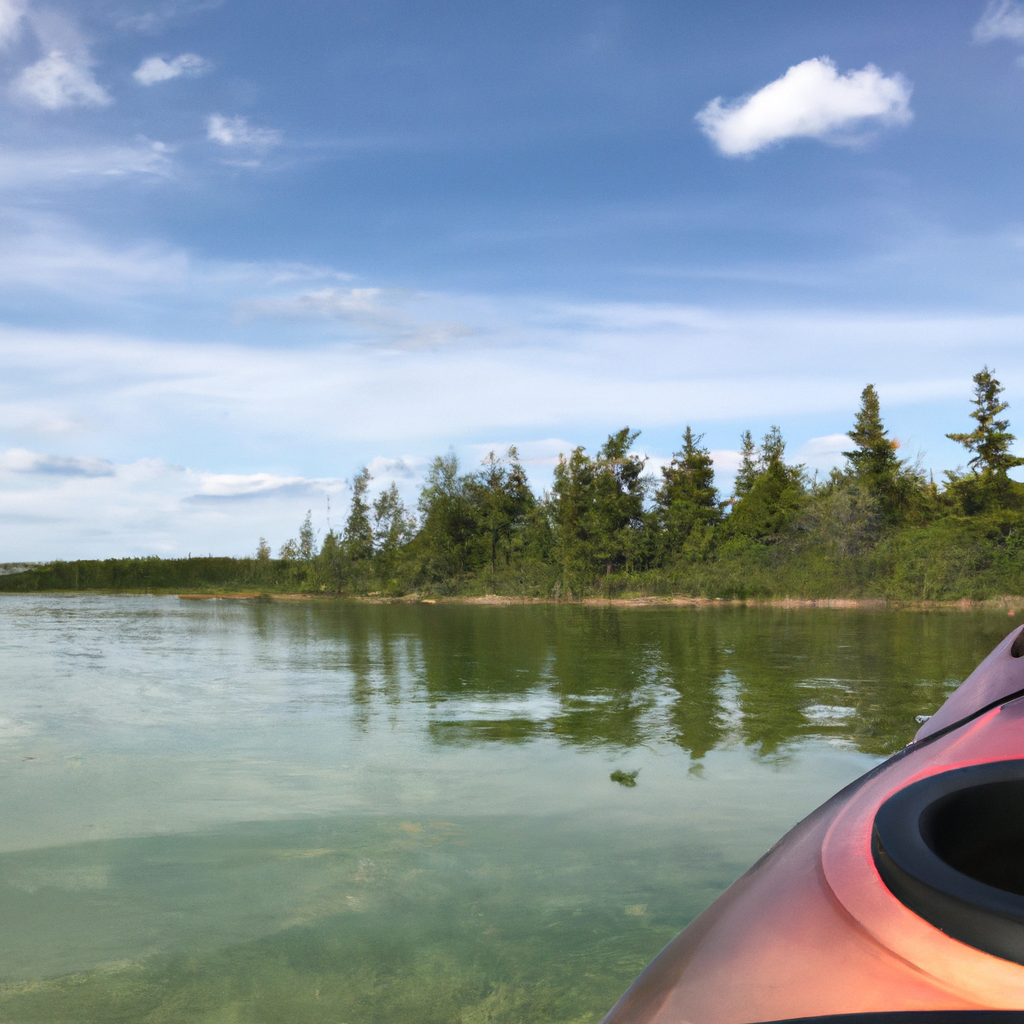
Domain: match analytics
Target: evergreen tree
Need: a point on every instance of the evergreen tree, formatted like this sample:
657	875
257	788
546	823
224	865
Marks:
875	464
502	501
393	527
764	511
597	508
687	497
749	468
875	457
449	527
307	538
358	536
620	489
990	440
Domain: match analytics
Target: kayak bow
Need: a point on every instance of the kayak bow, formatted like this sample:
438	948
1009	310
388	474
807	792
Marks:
901	899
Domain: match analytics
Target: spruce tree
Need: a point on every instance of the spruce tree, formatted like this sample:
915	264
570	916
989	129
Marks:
875	464
769	492
358	537
990	440
687	497
748	470
690	476
875	457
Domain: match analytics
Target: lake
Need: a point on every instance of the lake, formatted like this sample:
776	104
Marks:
328	812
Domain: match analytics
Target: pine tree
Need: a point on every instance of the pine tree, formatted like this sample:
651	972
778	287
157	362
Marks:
393	527
687	497
502	499
875	457
875	464
990	440
748	470
358	537
771	490
690	476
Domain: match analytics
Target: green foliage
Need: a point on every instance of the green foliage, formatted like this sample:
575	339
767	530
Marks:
597	511
873	529
775	494
393	527
875	464
987	485
502	500
687	504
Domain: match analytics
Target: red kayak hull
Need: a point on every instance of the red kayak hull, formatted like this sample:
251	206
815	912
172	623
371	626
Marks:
812	929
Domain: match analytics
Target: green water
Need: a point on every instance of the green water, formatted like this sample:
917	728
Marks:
231	811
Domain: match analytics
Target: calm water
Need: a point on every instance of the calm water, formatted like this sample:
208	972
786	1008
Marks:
230	811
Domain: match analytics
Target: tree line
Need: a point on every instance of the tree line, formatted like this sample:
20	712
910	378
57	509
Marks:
876	526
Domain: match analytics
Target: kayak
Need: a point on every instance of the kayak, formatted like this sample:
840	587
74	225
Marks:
901	899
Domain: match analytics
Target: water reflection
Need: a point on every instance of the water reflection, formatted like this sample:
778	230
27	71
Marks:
317	811
698	679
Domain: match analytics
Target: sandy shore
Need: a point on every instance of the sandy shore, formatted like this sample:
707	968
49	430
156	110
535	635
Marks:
1008	603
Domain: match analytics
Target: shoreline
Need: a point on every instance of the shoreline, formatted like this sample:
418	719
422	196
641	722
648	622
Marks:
1007	603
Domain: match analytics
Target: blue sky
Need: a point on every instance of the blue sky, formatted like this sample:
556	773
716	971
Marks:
249	248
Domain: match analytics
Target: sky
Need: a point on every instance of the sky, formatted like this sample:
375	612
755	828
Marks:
249	248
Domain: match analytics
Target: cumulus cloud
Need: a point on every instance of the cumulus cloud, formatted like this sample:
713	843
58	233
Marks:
236	131
58	81
11	12
1002	19
811	100
156	69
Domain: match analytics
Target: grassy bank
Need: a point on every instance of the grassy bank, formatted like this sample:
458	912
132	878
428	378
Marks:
919	576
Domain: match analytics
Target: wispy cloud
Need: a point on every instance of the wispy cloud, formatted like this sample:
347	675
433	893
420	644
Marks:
11	12
74	507
1002	19
236	131
21	460
156	69
58	81
373	309
158	15
811	100
237	485
38	167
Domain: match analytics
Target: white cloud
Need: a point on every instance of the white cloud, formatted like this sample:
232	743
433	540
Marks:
239	485
159	14
74	506
823	452
810	100
56	82
11	12
373	309
40	167
328	304
156	69
1002	19
236	131
275	423
21	460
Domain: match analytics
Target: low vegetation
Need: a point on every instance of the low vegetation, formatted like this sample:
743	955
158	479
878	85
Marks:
877	528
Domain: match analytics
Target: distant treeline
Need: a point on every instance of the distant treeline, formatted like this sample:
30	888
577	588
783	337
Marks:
876	528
